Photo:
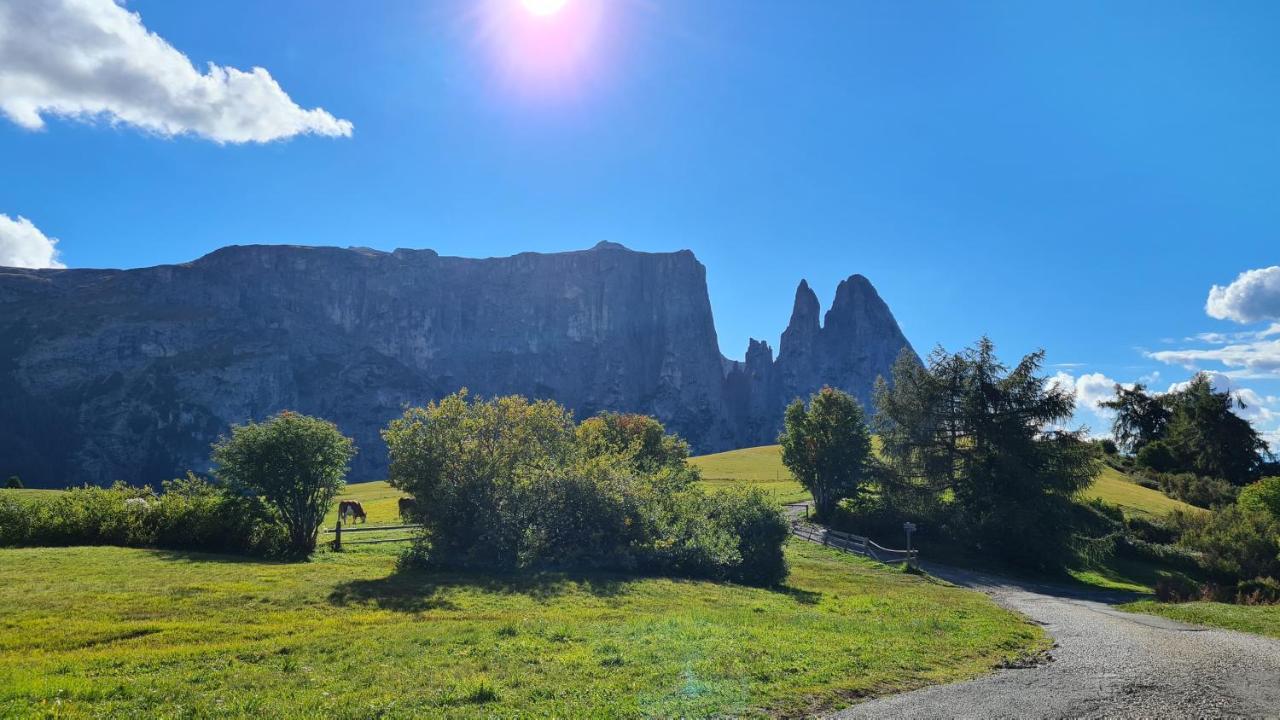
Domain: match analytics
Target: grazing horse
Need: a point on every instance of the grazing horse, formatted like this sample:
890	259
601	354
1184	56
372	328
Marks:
352	508
407	506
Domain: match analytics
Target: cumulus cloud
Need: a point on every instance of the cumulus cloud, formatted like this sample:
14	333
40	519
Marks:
1090	390
93	59
1252	297
23	245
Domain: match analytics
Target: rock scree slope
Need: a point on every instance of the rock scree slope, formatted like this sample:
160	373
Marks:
132	374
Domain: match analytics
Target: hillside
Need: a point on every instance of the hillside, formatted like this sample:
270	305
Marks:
762	467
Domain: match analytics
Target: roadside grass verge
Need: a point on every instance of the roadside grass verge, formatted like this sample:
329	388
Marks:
1257	619
117	632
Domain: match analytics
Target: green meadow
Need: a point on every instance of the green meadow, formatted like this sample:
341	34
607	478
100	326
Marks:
114	632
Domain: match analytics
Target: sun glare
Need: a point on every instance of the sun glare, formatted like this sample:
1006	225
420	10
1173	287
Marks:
543	7
544	48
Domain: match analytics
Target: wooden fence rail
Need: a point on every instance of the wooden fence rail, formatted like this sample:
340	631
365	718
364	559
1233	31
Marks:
337	531
853	543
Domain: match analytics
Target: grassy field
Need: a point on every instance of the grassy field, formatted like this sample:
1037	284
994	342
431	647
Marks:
1115	487
1259	619
5	492
758	466
93	632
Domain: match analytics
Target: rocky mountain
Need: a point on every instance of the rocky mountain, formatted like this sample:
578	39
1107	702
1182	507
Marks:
131	374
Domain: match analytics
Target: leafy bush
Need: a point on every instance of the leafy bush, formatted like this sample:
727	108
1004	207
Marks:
1157	456
1259	591
1152	530
507	484
751	517
1235	542
1108	446
296	463
1262	496
192	514
1200	491
1177	588
13	483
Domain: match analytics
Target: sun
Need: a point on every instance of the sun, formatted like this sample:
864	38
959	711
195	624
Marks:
543	7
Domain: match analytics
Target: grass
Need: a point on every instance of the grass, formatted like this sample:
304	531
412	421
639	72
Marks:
379	500
27	493
117	632
758	466
1258	619
1114	487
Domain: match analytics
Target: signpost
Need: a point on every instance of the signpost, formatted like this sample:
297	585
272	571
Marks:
910	527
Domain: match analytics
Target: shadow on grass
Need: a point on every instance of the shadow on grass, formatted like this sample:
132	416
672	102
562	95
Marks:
422	590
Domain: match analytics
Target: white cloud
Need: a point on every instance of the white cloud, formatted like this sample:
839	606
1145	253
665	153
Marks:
1090	390
93	59
1258	359
1252	297
23	245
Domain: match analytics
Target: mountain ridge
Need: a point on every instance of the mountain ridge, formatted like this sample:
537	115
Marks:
131	374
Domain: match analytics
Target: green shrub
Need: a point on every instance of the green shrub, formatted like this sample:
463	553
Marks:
1258	591
1263	496
760	528
1193	489
507	484
1235	542
1157	456
13	483
191	514
1152	530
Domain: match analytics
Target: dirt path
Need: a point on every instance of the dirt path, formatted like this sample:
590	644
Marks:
1106	663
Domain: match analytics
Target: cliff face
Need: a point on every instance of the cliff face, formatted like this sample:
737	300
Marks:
858	341
131	375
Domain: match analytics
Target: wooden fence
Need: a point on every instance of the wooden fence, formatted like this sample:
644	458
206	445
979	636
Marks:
853	543
337	531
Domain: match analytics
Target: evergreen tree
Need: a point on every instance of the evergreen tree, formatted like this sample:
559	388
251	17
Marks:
1206	437
969	429
1141	418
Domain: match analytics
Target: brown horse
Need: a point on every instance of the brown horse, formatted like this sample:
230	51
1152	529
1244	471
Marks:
352	508
407	506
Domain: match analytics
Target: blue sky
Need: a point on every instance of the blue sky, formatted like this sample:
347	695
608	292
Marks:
1073	176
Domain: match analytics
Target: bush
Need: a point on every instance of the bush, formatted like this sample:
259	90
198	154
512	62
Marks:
1108	446
754	520
296	463
1202	492
506	484
1157	456
1262	496
192	514
1259	591
1235	542
13	483
1152	530
1178	588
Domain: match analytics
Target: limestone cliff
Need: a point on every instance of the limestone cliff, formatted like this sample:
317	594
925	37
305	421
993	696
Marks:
131	374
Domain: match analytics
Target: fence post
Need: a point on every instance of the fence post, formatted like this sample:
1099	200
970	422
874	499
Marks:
337	536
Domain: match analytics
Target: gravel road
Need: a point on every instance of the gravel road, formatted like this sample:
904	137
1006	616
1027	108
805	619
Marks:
1106	663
